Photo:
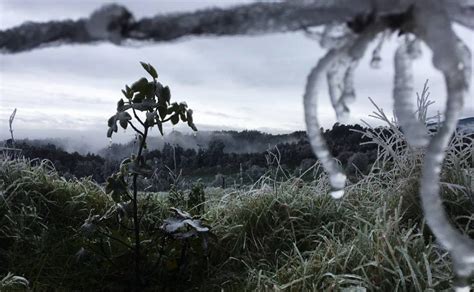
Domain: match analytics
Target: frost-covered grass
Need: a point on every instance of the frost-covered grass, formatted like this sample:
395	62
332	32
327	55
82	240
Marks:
272	236
289	235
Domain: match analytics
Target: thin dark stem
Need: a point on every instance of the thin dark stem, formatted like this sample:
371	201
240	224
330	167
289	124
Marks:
136	220
135	128
114	238
138	118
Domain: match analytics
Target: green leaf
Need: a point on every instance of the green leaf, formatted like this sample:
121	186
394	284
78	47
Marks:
175	119
148	91
109	132
116	187
182	107
120	105
140	84
129	91
150	118
139	97
189	114
149	68
123	124
160	125
192	126
112	120
173	108
166	94
163	111
123	118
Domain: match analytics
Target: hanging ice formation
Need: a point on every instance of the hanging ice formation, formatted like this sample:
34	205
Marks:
430	23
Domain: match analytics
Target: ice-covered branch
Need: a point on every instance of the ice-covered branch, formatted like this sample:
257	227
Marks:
335	61
453	59
403	95
115	23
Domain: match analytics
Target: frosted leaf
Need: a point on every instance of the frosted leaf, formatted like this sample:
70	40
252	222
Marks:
403	95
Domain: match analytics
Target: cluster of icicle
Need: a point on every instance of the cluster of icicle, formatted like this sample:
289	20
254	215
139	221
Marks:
452	57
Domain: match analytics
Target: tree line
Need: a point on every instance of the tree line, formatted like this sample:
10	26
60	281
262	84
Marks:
294	155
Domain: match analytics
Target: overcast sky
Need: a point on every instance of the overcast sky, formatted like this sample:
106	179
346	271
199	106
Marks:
230	82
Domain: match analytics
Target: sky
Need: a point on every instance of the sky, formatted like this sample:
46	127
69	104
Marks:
238	82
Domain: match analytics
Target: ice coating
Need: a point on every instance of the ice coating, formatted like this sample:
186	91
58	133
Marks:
316	139
348	93
335	78
337	60
403	95
453	59
108	23
376	57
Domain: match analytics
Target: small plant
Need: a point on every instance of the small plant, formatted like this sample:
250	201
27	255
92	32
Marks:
181	227
197	198
149	102
194	202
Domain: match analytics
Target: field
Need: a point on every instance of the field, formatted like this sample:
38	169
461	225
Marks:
272	236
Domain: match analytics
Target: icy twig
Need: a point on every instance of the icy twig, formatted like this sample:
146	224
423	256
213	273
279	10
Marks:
352	51
453	59
415	132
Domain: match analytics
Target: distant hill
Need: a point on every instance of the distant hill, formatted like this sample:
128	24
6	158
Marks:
466	125
234	142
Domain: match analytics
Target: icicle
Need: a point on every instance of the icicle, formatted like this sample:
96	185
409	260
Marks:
348	55
376	56
453	59
315	81
466	61
334	36
414	48
335	77
403	95
348	94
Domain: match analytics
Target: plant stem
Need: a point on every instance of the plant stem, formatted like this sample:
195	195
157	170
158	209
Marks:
136	222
